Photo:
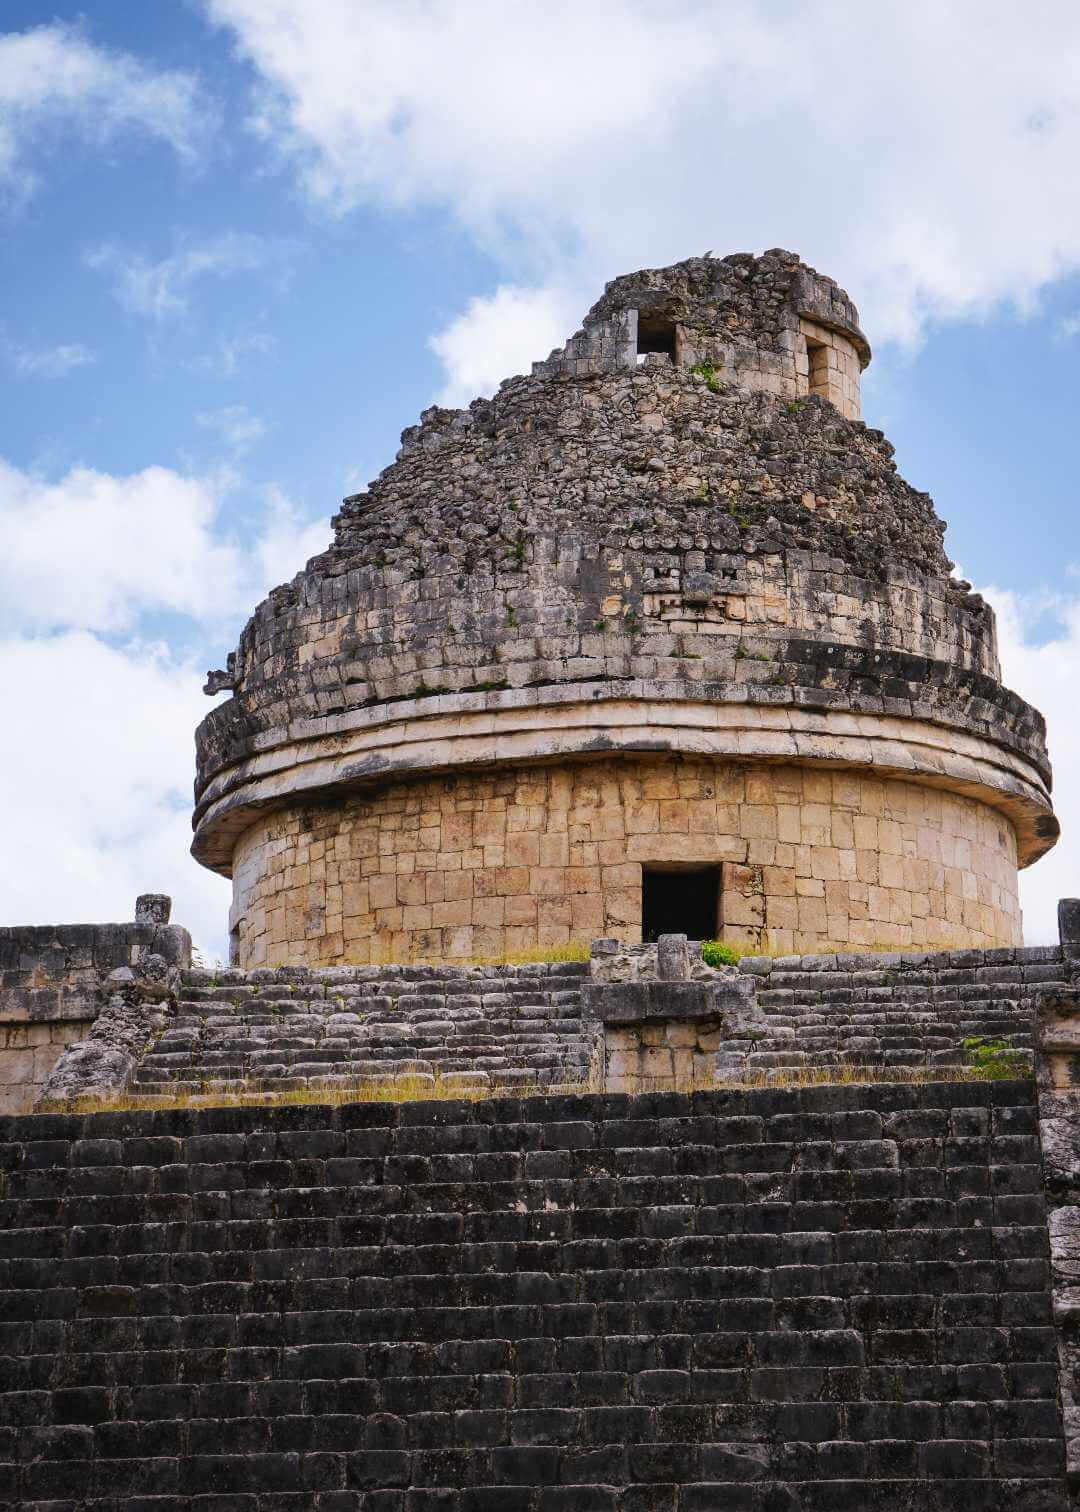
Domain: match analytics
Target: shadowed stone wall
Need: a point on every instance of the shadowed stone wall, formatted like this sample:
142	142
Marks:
823	1300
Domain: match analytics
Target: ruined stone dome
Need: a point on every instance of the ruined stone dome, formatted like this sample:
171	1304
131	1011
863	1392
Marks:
675	537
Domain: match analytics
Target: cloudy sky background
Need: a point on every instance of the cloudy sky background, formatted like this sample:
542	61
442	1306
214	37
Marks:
244	242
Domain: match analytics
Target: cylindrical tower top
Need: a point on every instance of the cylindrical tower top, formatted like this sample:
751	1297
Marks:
663	606
767	323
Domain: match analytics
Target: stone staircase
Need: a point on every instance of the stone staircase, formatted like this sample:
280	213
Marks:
906	1009
777	1300
504	1026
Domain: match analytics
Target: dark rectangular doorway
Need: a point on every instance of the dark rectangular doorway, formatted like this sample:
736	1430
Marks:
680	900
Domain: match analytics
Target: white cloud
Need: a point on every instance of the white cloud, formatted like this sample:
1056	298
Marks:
97	757
97	763
235	424
284	543
48	361
53	82
100	552
485	343
163	288
1047	673
580	141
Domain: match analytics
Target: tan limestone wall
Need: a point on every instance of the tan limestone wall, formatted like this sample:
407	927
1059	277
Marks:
671	1055
28	1053
818	361
452	867
828	365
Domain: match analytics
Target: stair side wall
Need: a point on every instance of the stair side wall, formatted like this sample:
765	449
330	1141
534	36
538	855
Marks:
50	979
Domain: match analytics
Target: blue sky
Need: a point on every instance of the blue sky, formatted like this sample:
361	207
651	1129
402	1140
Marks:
245	242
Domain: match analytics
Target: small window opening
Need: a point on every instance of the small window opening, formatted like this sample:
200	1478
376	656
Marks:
234	945
655	336
680	900
818	357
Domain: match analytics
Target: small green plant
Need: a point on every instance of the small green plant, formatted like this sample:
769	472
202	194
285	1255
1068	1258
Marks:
995	1059
511	615
715	953
632	623
710	373
796	406
741	653
519	549
600	626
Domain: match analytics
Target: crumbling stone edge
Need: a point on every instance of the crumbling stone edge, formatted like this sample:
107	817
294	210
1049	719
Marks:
137	1003
1057	1066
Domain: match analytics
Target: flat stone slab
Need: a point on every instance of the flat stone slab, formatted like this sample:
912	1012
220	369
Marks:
641	1002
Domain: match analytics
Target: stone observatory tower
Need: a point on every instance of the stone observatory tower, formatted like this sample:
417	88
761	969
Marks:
655	640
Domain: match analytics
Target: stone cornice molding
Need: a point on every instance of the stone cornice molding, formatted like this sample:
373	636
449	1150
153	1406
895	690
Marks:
324	758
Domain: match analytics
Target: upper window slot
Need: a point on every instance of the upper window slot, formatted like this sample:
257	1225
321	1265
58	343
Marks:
655	335
818	357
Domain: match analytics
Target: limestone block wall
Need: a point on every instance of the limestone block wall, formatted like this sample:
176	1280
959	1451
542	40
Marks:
831	368
28	1053
453	867
661	1057
50	975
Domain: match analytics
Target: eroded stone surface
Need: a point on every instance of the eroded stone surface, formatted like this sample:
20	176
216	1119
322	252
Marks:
137	1004
51	977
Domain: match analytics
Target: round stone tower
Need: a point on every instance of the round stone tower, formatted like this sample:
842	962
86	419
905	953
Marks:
654	640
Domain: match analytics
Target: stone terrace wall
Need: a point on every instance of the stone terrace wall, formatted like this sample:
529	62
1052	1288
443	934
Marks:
50	991
818	1301
529	1026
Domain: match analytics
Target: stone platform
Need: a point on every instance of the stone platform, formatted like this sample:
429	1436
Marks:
818	1300
533	1026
